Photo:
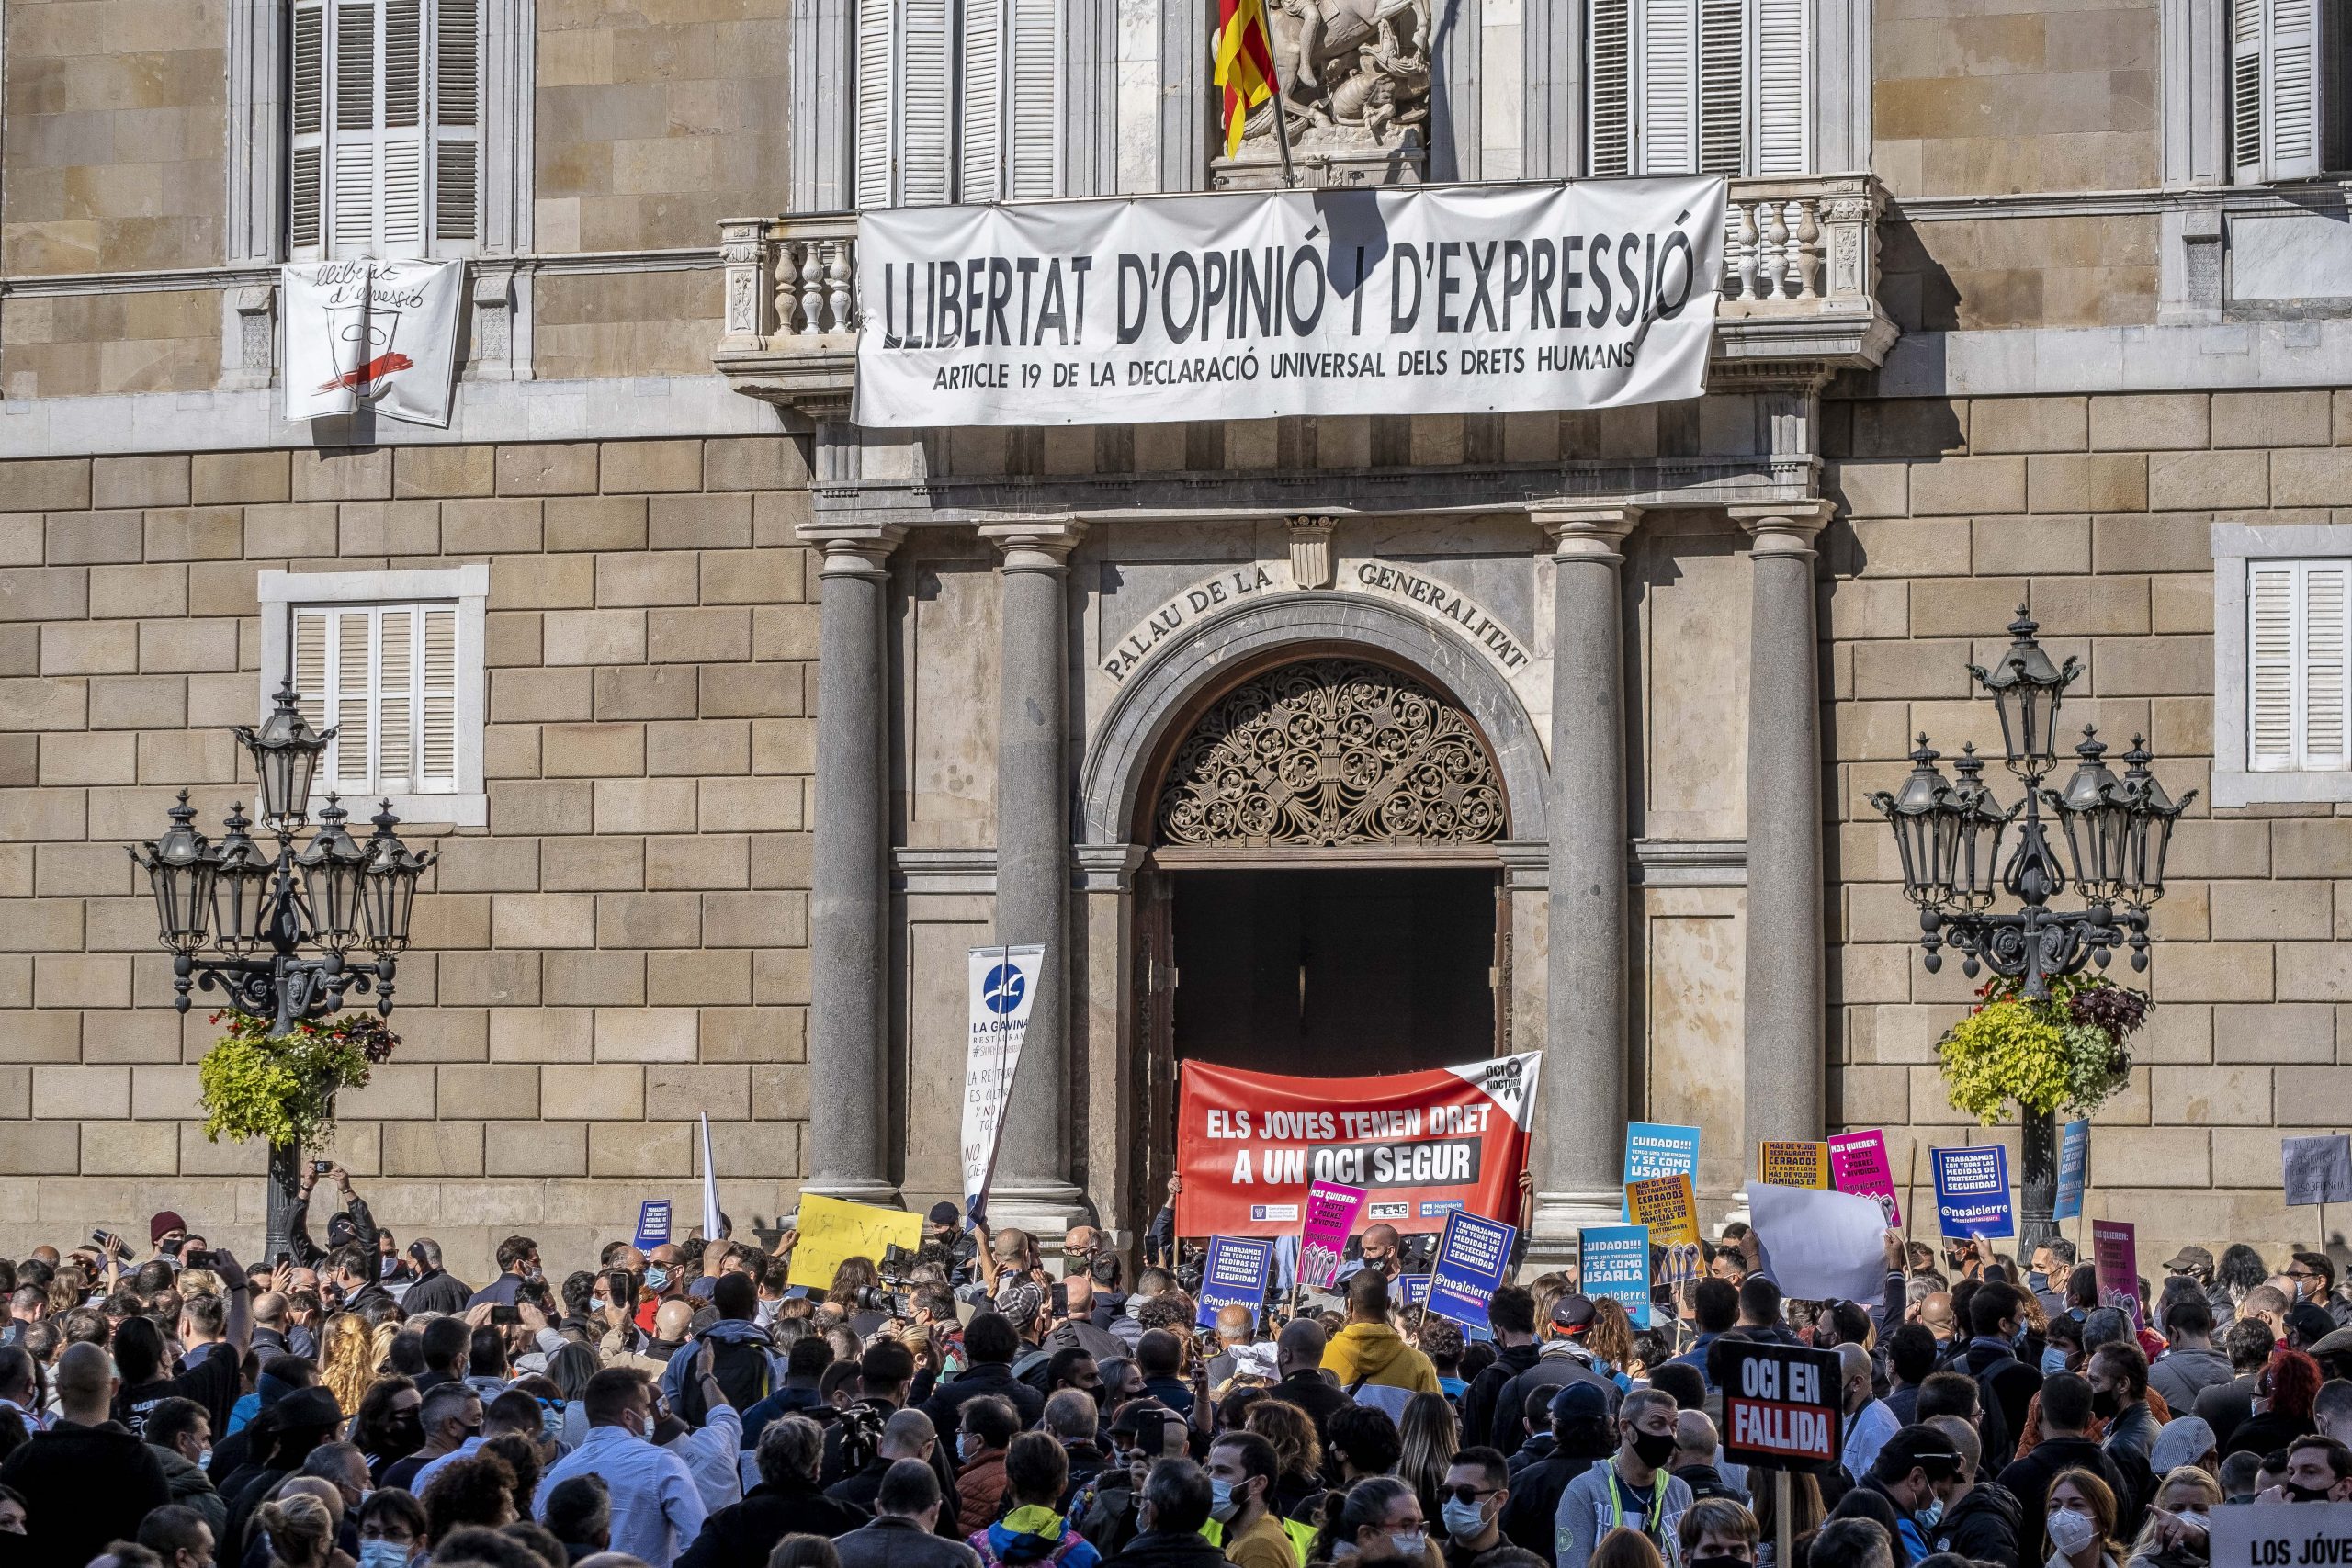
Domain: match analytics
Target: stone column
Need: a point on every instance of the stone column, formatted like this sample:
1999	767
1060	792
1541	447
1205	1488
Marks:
1032	1188
849	948
1782	1028
1582	1138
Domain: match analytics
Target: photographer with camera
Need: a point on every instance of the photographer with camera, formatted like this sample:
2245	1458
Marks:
355	1223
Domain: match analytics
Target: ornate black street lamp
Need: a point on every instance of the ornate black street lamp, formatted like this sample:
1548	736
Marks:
259	909
1948	834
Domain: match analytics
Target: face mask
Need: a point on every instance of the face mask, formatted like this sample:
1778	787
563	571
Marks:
1723	1560
2071	1531
2105	1403
599	1306
2036	1280
1410	1545
388	1267
204	1459
656	1276
2016	1340
1653	1449
2054	1360
382	1554
2193	1516
1932	1514
1223	1504
965	1448
1463	1520
2306	1494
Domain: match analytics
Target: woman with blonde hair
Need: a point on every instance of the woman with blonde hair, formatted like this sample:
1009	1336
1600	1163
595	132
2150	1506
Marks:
1430	1436
1297	1452
347	1357
2177	1534
300	1530
2078	1530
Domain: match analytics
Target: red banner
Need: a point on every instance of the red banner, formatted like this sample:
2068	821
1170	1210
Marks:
1422	1144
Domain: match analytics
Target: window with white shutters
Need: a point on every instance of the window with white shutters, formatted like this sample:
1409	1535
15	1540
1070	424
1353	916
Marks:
1707	86
2299	665
2290	89
958	100
386	677
392	662
385	116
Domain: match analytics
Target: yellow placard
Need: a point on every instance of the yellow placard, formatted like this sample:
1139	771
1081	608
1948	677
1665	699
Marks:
1792	1165
1668	1207
832	1230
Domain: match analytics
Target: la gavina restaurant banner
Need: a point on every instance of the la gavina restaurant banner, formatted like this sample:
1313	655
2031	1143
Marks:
1421	1145
1415	300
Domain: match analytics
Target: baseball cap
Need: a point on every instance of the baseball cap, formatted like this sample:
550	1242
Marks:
945	1214
2190	1257
1580	1401
1916	1446
1572	1313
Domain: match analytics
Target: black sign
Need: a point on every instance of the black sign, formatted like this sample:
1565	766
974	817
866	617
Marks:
1781	1407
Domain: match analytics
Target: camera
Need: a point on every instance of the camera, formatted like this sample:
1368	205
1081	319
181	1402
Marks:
321	1167
878	1298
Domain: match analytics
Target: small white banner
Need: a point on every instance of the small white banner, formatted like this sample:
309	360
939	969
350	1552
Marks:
1003	989
378	334
1430	300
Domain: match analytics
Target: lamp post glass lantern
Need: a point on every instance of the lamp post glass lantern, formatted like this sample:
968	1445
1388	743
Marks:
259	909
1947	836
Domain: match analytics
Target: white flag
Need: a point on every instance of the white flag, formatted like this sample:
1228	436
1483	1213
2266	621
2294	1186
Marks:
710	1186
377	334
1003	989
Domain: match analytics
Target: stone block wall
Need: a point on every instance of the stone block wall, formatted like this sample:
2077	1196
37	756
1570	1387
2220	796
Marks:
2095	512
623	948
164	341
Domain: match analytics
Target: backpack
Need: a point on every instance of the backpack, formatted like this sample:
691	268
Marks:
2000	1444
745	1376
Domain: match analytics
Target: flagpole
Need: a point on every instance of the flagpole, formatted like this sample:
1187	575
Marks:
1282	133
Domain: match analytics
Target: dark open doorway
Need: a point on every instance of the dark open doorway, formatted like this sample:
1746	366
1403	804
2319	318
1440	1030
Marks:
1335	972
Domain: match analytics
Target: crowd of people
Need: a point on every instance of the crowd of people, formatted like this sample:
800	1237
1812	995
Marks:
355	1405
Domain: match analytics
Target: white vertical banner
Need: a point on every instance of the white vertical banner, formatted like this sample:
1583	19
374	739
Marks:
1003	989
710	1223
374	334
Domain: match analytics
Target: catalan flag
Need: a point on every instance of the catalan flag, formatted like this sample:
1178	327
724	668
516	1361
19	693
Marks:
1245	65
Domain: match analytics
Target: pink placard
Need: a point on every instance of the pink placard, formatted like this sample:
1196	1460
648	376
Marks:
2115	1250
1331	1211
1858	1165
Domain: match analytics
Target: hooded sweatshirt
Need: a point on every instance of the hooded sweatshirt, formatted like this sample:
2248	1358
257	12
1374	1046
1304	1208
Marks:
1031	1534
1375	1353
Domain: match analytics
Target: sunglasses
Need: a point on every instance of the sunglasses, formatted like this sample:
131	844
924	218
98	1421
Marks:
1465	1493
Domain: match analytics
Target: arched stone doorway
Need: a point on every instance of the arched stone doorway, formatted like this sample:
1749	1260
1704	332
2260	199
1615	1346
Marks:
1324	875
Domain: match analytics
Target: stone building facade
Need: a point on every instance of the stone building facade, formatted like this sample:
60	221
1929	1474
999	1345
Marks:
2014	316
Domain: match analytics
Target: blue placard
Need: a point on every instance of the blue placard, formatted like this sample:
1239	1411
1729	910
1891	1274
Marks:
1658	1148
1412	1289
1234	1274
1614	1261
1473	1260
2074	1170
1972	1192
652	1223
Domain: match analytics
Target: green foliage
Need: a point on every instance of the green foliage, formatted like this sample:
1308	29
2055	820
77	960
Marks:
281	1088
2065	1053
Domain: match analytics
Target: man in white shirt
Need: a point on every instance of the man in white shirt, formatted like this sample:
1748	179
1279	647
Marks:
656	1508
1869	1422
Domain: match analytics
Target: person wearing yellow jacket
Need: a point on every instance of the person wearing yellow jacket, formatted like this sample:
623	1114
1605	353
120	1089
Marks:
1369	1351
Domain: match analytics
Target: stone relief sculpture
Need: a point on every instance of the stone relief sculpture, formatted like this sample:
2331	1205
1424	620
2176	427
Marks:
1356	74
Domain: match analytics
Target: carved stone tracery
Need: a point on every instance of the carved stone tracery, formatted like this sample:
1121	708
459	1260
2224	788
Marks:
1330	751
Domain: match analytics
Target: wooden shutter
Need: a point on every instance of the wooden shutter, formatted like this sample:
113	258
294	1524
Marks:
981	73
1609	128
926	105
1033	84
1666	109
2298	666
1781	145
306	126
386	676
1722	87
2279	89
876	83
456	124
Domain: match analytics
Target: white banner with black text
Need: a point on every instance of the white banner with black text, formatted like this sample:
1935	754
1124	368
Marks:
1429	299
